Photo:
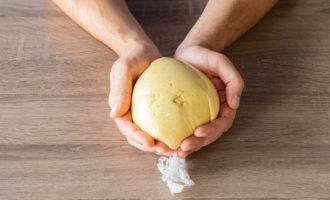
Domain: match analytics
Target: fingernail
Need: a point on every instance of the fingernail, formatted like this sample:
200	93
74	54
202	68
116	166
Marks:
186	147
200	134
235	102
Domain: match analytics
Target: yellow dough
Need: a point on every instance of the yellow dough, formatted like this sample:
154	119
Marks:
171	99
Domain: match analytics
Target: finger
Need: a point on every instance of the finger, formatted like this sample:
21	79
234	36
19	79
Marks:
191	143
183	154
129	129
218	84
139	146
233	92
222	95
121	79
212	62
157	150
204	142
163	149
230	76
218	126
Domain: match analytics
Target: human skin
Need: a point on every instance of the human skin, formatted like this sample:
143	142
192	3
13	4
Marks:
220	24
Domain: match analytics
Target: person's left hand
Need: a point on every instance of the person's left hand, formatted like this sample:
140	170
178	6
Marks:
229	85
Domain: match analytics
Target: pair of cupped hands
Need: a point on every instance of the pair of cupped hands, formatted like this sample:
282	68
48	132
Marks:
220	70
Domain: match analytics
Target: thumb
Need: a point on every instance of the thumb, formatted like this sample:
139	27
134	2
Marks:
233	93
121	80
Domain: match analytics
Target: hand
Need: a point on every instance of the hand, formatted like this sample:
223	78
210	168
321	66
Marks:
229	85
123	73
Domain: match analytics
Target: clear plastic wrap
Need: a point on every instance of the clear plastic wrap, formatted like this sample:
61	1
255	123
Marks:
174	173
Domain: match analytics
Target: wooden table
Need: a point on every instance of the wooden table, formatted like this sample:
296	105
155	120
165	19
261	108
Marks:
57	141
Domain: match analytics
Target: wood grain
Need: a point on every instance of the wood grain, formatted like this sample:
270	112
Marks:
57	141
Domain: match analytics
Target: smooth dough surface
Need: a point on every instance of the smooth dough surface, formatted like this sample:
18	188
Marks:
171	99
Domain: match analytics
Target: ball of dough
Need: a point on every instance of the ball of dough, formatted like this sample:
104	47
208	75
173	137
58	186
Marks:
171	99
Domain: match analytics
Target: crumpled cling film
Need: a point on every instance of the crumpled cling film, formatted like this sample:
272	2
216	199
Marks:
174	173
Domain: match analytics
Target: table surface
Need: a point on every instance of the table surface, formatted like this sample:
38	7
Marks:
57	141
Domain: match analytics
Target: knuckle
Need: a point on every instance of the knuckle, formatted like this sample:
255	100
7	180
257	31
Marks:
221	56
241	82
215	60
125	65
212	60
121	66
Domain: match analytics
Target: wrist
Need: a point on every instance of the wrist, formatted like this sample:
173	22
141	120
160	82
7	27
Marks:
207	41
131	45
139	55
146	49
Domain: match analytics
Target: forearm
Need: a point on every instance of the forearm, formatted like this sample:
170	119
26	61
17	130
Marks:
224	21
110	21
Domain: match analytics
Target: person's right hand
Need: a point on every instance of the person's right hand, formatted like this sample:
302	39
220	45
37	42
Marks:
229	84
122	76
